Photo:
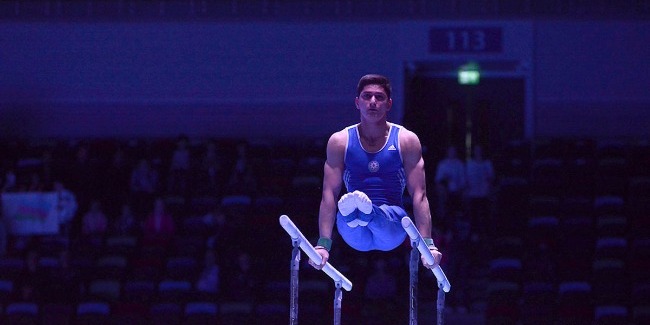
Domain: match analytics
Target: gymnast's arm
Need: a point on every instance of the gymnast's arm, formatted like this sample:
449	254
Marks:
411	150
332	184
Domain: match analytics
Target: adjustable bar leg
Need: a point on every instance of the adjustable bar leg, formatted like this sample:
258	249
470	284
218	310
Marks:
413	271
338	297
441	306
295	266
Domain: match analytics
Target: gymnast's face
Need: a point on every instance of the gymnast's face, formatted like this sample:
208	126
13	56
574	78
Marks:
373	103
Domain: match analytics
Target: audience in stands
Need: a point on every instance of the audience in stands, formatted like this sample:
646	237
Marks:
125	223
34	184
64	283
81	177
143	187
94	223
208	281
382	294
381	284
9	182
159	227
242	178
480	180
220	231
209	176
450	183
232	277
116	178
462	250
66	207
241	280
47	169
179	168
31	279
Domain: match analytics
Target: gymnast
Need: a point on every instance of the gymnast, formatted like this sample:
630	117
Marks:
376	160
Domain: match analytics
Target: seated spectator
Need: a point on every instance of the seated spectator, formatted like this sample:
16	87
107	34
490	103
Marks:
220	232
159	227
28	292
450	184
179	168
210	170
242	179
480	179
34	184
242	280
94	223
381	284
208	281
47	168
116	180
64	282
81	178
126	222
380	292
31	278
143	186
9	183
66	207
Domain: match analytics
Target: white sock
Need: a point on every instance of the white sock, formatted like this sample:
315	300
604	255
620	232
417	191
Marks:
347	204
364	204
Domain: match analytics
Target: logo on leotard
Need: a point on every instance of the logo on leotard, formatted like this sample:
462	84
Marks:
373	166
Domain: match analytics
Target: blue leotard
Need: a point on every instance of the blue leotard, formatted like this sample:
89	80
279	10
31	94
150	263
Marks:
382	177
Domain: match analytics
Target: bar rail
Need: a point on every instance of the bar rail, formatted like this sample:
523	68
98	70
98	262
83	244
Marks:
415	236
306	247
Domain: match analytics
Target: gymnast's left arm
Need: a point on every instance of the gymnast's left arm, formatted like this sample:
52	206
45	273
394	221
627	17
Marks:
411	150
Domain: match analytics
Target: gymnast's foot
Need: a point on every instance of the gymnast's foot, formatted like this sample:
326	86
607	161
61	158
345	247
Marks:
347	207
363	202
349	203
365	207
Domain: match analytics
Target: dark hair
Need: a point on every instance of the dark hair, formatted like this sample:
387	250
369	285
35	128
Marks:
374	79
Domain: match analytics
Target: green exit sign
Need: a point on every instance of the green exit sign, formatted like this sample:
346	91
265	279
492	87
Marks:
469	74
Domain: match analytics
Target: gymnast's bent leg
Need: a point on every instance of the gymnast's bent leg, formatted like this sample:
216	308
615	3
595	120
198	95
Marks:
383	232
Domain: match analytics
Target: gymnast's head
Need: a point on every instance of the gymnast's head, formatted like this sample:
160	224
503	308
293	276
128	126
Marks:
374	79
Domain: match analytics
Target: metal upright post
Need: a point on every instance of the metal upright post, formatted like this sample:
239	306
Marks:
413	270
441	306
338	297
295	266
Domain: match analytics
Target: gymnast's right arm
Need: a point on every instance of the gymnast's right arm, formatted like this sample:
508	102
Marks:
332	184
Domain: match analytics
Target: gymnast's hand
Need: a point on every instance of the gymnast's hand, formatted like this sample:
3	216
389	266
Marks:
324	254
437	256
